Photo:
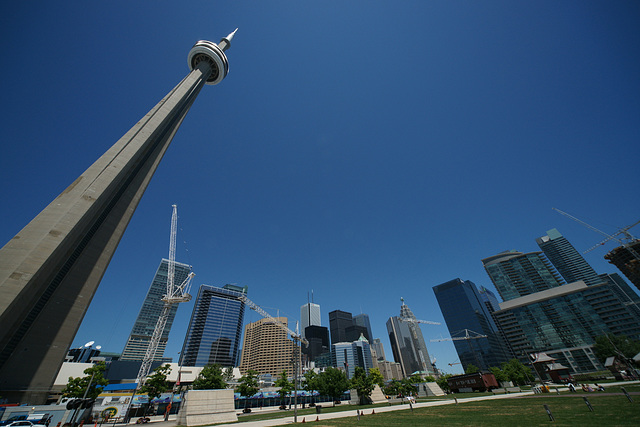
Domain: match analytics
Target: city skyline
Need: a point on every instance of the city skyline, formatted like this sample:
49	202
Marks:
312	170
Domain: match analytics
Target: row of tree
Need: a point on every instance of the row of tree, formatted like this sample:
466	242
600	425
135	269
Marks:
332	382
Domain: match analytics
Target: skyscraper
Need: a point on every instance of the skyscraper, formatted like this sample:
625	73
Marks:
309	316
362	320
609	295
376	346
540	315
215	327
516	274
566	259
143	328
463	309
267	348
51	269
407	343
318	337
349	355
339	321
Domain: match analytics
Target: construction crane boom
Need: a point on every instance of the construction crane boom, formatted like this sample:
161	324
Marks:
414	320
467	336
626	241
255	307
174	294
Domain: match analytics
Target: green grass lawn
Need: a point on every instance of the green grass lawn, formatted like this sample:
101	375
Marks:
567	409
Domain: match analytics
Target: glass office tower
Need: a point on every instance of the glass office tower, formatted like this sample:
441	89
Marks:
463	309
348	355
215	327
610	296
138	341
540	314
362	320
309	316
339	321
566	259
407	343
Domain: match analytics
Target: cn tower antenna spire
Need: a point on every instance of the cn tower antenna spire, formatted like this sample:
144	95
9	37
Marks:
225	42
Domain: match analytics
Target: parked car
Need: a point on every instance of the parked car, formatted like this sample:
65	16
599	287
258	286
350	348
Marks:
13	419
22	423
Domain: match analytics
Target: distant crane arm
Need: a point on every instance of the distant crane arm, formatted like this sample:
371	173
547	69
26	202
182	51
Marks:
257	308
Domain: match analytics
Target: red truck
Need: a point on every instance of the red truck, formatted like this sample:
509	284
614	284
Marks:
480	381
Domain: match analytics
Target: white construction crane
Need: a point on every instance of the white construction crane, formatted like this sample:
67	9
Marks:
625	241
468	336
175	294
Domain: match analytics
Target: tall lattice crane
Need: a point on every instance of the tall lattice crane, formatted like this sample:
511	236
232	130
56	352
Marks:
175	294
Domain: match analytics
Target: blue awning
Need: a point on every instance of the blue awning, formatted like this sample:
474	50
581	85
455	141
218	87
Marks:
116	387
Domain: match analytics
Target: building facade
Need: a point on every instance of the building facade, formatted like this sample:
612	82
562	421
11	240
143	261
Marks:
609	295
309	316
408	345
349	355
267	348
140	337
215	328
626	258
376	346
318	337
540	314
464	310
362	320
339	321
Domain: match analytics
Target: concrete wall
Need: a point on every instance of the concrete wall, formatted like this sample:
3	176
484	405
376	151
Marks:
203	407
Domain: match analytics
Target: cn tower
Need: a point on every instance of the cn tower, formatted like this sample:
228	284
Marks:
51	269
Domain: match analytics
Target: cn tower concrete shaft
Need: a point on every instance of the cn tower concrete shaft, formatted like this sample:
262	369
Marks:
51	269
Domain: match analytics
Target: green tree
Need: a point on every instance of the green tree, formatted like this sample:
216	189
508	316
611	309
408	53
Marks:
363	384
156	383
227	374
311	383
407	387
471	369
443	383
500	375
285	385
516	372
76	387
416	379
210	378
376	377
615	345
393	388
333	383
248	386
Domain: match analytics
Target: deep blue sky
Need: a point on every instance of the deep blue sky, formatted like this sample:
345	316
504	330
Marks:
364	150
